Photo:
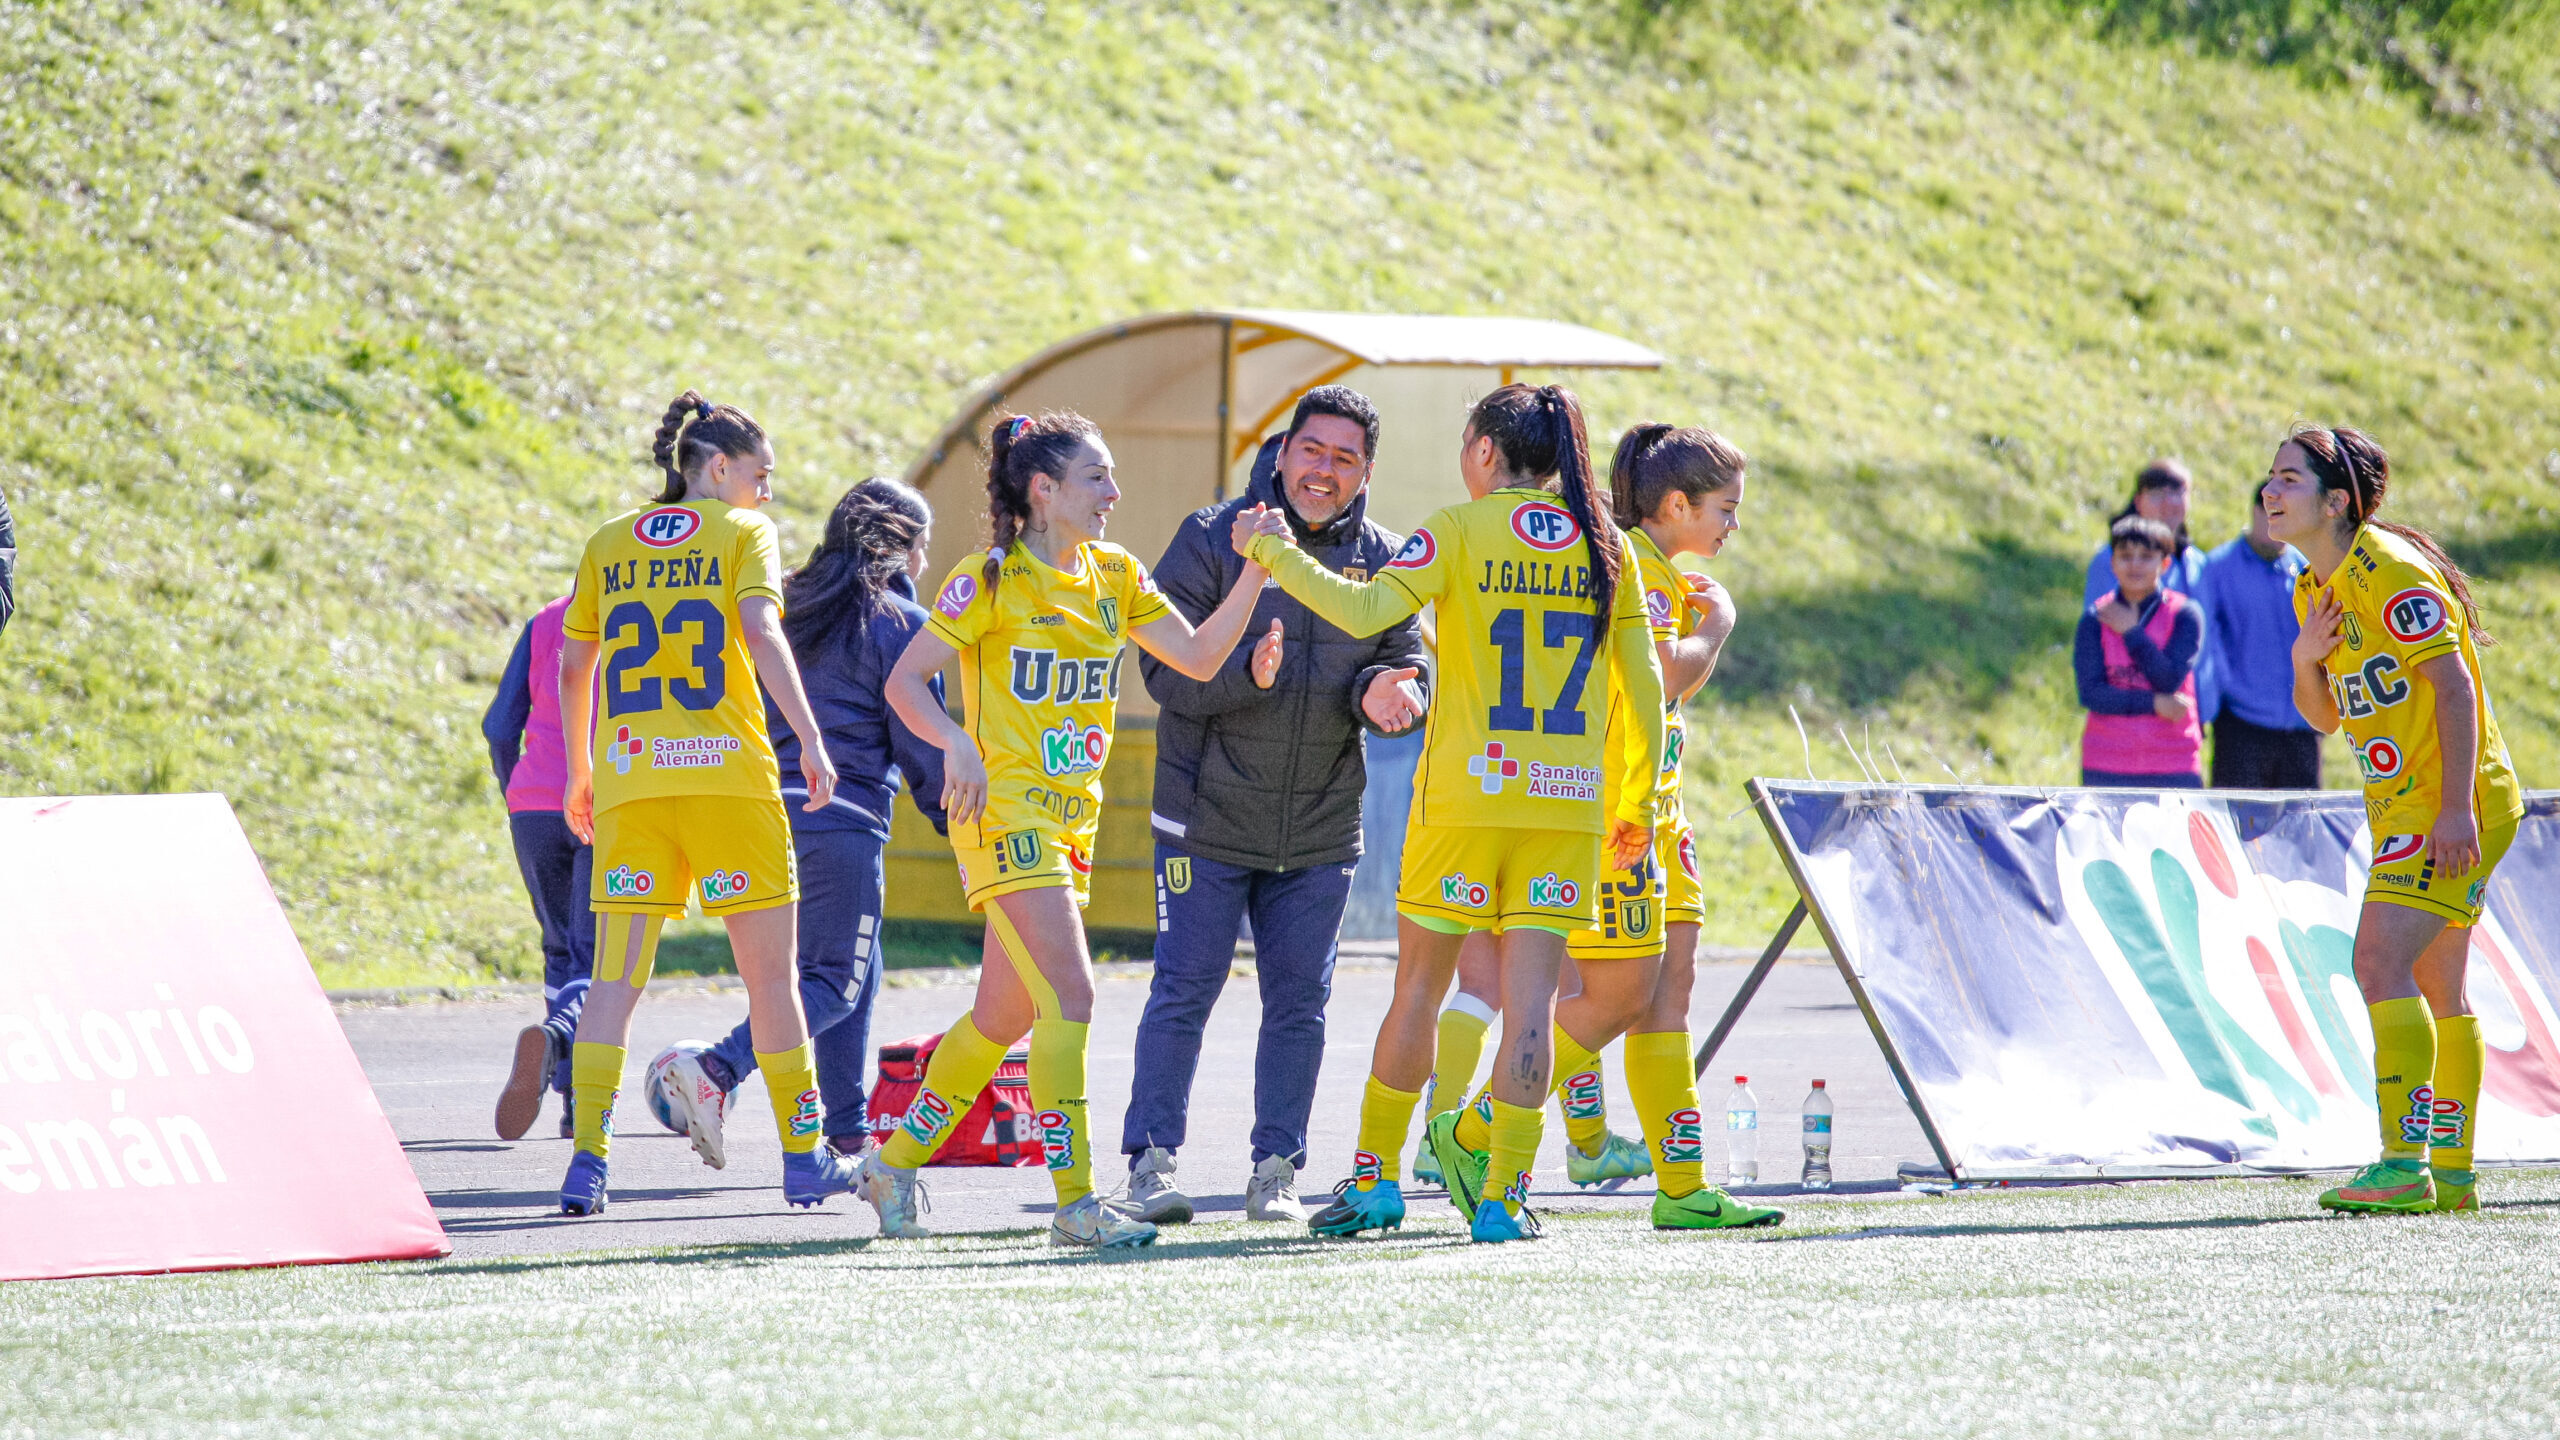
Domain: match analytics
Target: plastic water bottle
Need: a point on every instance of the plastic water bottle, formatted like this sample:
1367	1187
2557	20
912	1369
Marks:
1742	1134
1817	1138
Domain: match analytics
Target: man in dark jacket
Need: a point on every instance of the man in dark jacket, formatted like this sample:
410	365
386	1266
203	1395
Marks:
1259	775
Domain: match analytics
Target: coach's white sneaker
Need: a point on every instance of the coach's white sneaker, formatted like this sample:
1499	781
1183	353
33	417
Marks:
895	1195
1089	1224
1272	1193
1152	1196
695	1103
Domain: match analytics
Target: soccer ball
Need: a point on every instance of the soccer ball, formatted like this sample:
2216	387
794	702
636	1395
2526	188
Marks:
657	1087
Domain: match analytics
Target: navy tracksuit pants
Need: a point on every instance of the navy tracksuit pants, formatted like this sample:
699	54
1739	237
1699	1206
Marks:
843	889
556	869
1201	906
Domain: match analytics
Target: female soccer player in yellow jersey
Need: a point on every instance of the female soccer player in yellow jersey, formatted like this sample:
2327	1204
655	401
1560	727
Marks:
2386	654
1038	623
1507	830
682	601
1675	491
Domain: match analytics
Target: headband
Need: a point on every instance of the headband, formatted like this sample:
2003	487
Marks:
1014	427
2355	482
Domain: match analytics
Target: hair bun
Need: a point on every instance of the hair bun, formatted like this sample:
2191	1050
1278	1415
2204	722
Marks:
701	408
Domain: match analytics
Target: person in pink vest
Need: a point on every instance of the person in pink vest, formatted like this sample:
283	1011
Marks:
2135	658
525	749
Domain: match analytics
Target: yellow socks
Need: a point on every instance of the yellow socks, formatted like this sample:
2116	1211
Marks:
1577	1081
1475	1128
2460	1055
962	1065
1666	1095
1386	1114
595	1080
1057	1092
1517	1129
791	1078
1462	1030
2404	1069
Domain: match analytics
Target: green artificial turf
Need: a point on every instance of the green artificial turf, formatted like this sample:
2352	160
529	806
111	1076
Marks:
2203	1309
333	329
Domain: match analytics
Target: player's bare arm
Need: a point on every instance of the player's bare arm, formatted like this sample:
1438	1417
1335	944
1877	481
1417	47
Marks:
2455	839
964	774
577	721
1199	653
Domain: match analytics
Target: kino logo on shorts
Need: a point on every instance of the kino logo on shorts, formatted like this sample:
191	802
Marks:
1459	890
1550	892
624	883
719	885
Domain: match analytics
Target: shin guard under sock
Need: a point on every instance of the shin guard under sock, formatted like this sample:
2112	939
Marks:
1517	1129
962	1065
1057	1093
595	1081
791	1078
2460	1056
1461	1045
1666	1095
1386	1116
2404	1071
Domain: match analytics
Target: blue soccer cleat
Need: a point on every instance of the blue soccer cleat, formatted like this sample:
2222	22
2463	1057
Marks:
582	1192
1495	1224
809	1176
1380	1208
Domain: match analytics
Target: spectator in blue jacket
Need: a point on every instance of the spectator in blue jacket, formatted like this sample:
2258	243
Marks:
2162	492
2260	741
849	614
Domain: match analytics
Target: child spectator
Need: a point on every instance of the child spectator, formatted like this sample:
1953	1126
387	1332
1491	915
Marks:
2135	659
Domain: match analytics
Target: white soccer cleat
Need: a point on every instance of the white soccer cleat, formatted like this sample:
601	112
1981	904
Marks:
1152	1196
895	1196
696	1104
1272	1193
1089	1224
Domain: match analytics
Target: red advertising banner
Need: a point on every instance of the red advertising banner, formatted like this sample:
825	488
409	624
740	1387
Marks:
175	1093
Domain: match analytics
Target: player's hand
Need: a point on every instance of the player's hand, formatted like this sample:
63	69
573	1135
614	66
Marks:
2455	841
1712	602
1629	843
2319	630
2118	616
578	807
1266	657
818	772
1255	520
1393	701
964	783
2172	706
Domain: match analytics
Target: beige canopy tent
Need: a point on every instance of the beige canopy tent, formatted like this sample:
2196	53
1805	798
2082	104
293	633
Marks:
1184	400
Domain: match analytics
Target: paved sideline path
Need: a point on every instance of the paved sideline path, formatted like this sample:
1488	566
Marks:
437	1068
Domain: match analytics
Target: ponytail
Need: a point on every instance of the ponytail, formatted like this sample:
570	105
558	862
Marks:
1019	447
1654	459
693	431
2347	460
1539	432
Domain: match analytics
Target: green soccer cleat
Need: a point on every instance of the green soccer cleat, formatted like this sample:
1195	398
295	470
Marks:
1426	1170
2457	1189
2386	1187
1708	1208
1462	1168
1619	1161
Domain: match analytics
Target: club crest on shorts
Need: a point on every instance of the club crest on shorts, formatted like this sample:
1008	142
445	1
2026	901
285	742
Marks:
1177	874
665	529
1057	1139
2415	614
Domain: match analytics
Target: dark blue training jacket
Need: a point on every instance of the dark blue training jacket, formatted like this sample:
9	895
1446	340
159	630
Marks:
847	677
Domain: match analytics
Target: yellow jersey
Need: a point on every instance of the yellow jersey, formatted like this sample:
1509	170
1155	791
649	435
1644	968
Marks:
1517	729
1664	614
681	712
2397	614
1040	676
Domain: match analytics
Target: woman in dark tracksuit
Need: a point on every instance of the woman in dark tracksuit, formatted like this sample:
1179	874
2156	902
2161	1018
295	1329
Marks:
848	613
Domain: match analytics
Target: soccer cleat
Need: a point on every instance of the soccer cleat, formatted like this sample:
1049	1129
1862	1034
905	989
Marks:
1089	1224
1426	1170
1494	1224
1380	1208
1619	1161
1272	1193
1462	1168
2385	1187
895	1195
568	1117
694	1099
582	1193
1152	1196
520	1100
1708	1208
2457	1189
810	1176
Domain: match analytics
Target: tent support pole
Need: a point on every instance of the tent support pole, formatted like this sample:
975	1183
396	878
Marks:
1750	987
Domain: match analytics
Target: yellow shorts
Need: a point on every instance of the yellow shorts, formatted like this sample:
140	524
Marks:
735	850
2405	874
1031	858
1636	905
1496	878
1684	900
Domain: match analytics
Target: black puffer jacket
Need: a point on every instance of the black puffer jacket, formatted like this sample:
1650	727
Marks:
1270	779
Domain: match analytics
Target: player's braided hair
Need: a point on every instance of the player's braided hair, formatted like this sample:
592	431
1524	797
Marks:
1655	459
1539	431
693	431
848	577
2348	460
1020	447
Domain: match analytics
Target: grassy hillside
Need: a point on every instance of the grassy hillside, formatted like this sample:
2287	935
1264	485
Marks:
334	328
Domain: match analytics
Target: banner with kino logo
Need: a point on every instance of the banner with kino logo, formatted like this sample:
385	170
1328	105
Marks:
175	1093
2076	982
